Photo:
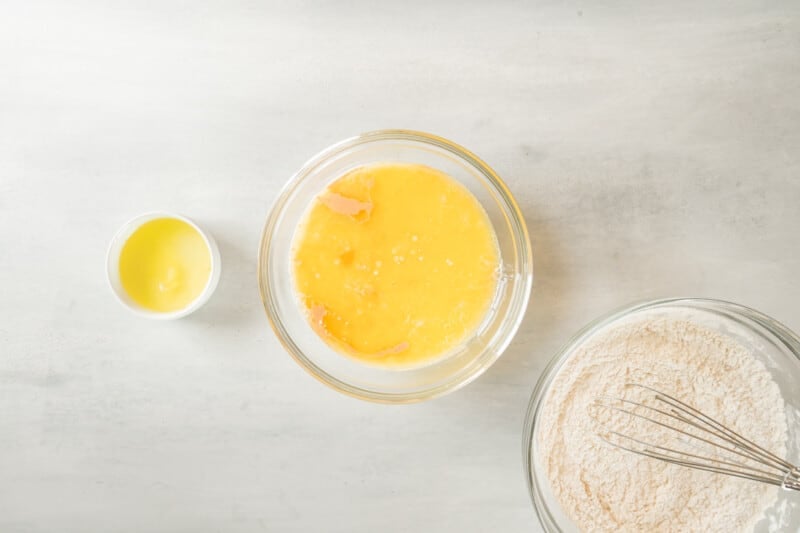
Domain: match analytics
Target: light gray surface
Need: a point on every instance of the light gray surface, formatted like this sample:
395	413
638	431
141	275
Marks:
654	149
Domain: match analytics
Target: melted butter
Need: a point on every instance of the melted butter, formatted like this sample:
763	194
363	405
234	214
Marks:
164	265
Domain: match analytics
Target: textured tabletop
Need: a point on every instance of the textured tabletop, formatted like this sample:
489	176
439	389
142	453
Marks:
654	148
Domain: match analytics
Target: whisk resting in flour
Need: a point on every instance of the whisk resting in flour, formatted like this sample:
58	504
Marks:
670	430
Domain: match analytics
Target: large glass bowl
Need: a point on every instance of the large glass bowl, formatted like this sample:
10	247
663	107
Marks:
466	362
771	342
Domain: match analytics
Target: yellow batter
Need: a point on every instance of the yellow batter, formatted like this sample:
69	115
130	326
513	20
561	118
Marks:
395	264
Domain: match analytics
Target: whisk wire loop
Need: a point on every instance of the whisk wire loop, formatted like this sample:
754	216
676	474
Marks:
731	453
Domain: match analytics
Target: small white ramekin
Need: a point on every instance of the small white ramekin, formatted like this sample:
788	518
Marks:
112	267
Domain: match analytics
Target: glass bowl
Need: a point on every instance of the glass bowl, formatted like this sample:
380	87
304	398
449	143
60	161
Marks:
771	342
478	352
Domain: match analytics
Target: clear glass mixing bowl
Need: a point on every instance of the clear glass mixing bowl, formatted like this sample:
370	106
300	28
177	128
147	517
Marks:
774	344
469	360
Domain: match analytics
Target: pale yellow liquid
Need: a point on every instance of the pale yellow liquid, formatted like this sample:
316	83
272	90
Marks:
165	265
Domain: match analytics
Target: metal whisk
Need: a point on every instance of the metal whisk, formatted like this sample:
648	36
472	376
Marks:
731	453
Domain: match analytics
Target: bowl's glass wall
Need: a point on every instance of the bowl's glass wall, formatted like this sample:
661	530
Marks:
776	346
444	374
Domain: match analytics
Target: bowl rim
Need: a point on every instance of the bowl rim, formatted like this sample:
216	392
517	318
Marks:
112	265
510	209
543	512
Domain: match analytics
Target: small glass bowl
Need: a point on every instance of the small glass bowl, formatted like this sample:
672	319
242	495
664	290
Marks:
771	342
388	385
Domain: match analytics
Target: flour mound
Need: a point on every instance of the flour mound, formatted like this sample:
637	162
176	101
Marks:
603	488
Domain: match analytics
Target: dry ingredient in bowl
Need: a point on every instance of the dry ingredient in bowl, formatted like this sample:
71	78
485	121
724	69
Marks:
603	488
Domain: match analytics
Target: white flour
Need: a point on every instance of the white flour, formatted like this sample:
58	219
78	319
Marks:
603	488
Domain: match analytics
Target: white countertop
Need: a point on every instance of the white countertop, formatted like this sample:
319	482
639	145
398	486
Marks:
655	151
